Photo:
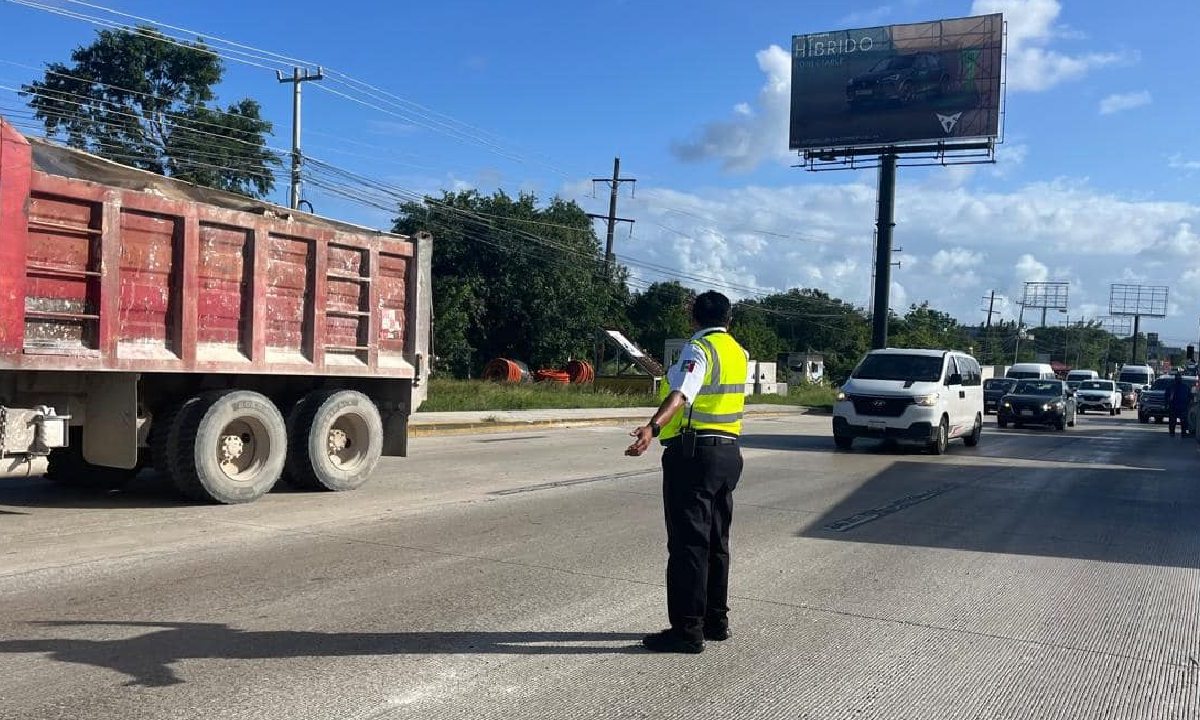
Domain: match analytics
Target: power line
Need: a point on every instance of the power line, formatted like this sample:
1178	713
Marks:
256	57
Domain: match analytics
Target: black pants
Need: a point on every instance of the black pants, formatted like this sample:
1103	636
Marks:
698	500
1180	416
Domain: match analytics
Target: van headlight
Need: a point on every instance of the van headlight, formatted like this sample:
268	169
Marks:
840	396
926	400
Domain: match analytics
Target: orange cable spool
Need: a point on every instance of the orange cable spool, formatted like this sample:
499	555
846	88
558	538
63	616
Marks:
581	372
505	371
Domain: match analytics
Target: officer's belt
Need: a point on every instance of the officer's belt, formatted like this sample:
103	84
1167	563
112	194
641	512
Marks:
707	439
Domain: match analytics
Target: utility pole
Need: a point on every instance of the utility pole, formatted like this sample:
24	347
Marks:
615	185
1020	322
299	76
991	308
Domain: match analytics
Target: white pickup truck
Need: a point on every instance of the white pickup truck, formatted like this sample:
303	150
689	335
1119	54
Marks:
1102	395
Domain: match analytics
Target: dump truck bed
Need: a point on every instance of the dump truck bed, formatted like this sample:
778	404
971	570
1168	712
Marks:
108	268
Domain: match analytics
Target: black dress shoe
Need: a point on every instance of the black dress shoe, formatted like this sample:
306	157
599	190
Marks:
670	641
717	633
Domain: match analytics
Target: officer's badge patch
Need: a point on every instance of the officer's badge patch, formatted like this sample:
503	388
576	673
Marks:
689	366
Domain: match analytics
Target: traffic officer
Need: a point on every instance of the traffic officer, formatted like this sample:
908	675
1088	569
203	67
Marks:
1179	400
698	423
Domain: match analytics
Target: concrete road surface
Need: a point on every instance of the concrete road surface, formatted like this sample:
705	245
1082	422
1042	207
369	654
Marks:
1041	575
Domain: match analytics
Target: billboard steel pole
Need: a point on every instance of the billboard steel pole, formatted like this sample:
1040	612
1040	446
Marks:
1137	327
884	222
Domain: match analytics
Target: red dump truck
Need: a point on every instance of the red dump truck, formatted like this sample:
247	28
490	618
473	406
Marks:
225	341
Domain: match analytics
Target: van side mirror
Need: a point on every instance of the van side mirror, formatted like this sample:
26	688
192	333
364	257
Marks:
955	379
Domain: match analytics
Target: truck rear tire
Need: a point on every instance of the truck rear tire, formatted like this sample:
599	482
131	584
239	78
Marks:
162	443
229	447
335	439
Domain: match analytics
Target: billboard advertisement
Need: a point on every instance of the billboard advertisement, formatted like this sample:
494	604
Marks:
922	82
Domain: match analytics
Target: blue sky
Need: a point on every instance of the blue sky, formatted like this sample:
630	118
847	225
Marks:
1096	181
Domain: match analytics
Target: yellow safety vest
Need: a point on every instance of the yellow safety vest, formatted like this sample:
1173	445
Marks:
721	402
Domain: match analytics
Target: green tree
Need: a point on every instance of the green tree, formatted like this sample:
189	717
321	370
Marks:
810	320
756	332
139	100
659	313
924	327
512	279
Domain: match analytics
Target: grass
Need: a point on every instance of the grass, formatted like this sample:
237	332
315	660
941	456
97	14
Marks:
813	396
477	395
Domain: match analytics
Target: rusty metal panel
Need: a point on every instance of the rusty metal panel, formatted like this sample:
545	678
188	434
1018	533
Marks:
63	264
393	289
347	288
15	178
150	245
188	288
419	338
287	283
224	303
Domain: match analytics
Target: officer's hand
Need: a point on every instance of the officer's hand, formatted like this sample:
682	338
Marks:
644	435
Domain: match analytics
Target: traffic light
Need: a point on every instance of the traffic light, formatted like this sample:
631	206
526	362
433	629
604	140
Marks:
1191	353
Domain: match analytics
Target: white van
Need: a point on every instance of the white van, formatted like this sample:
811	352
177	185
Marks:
1081	375
926	396
1031	371
1140	376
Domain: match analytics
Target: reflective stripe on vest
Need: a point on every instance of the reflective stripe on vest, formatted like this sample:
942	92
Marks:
720	404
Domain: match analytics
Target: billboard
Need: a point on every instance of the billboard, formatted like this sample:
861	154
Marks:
899	83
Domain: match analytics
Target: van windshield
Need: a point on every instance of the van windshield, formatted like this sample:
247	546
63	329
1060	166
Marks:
1134	376
1024	374
891	366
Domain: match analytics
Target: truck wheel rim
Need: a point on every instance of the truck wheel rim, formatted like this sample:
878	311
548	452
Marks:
242	449
347	442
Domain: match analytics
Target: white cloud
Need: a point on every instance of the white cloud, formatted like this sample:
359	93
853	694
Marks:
1119	102
958	244
1032	64
753	134
1030	270
957	266
1178	162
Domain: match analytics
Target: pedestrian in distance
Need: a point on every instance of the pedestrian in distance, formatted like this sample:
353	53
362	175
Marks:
698	423
1179	400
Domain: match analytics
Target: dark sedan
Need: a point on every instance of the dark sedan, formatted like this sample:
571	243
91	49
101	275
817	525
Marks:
993	390
1038	402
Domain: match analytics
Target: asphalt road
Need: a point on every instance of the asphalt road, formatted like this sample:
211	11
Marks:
1041	575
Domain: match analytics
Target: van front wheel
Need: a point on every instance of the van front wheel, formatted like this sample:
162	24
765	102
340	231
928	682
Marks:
937	446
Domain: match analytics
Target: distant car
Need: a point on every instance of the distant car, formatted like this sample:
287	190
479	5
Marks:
1152	402
1129	395
1141	376
1099	395
993	390
1078	376
1073	384
1038	402
900	80
1031	371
